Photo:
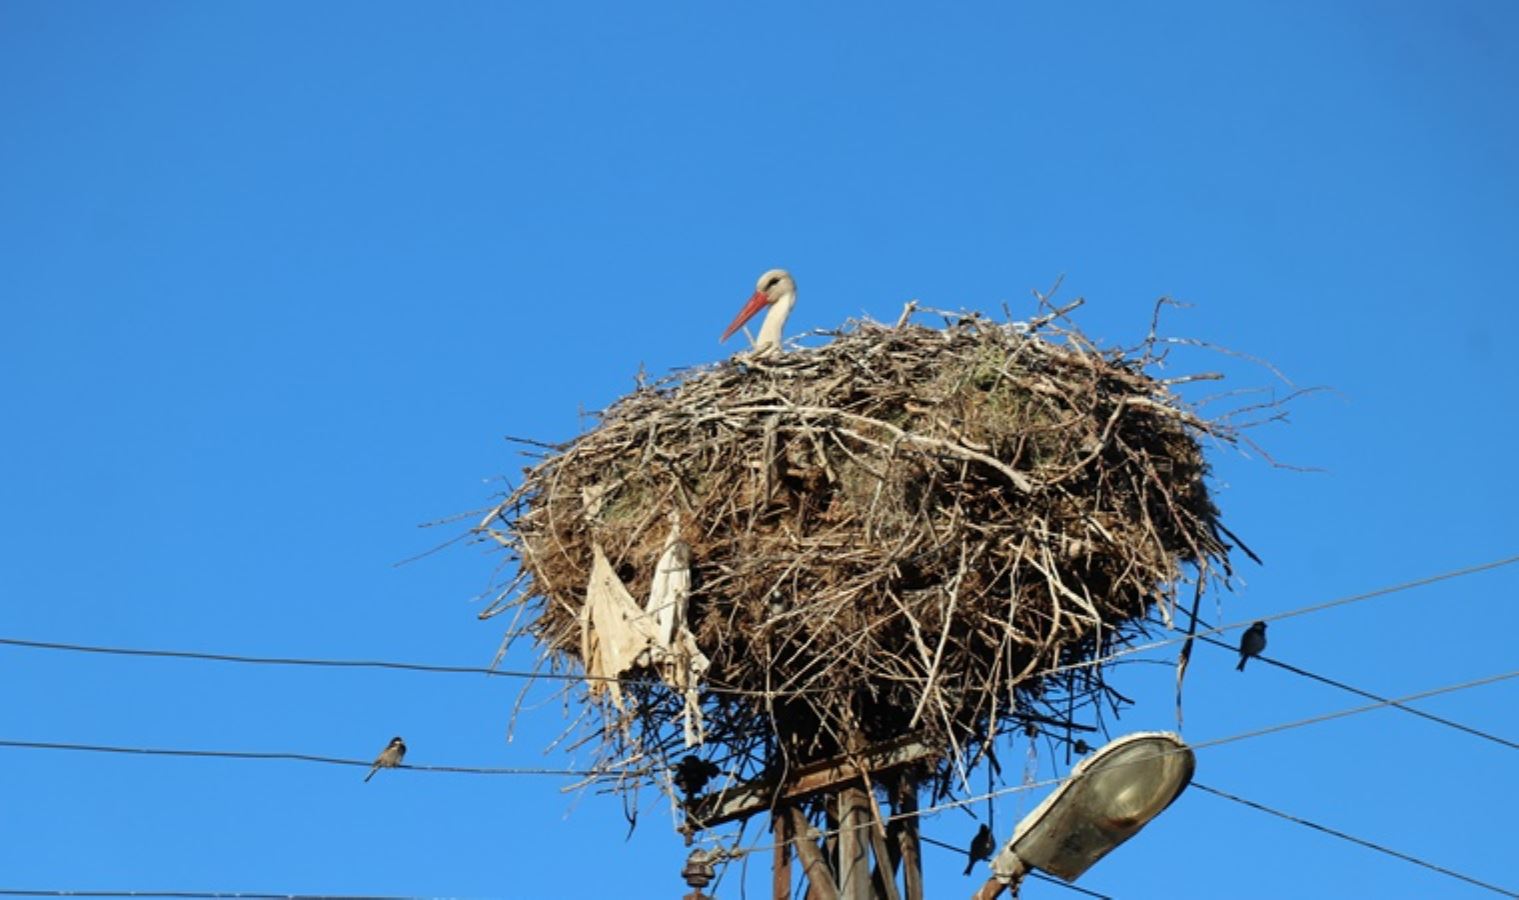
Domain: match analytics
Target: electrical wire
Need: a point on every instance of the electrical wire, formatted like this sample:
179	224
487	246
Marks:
1201	745
713	688
419	667
1288	614
316	662
298	757
1353	839
1034	872
196	895
298	661
201	895
584	773
1324	679
1356	710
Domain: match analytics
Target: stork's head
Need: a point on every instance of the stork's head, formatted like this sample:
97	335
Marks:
771	287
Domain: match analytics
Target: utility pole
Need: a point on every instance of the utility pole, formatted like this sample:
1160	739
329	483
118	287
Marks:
907	838
780	873
854	831
838	867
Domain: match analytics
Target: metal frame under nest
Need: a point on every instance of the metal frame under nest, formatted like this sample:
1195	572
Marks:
892	536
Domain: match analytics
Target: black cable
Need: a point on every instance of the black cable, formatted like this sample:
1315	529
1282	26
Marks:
1200	745
289	660
200	895
347	664
1324	679
1354	840
1033	872
1291	613
292	757
1238	736
1214	742
713	688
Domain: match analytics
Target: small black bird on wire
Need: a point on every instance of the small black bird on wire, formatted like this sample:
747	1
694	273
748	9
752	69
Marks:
389	758
692	774
1251	643
981	847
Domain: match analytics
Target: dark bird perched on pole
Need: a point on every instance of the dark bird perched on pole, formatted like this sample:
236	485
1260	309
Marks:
692	774
981	847
1251	643
389	758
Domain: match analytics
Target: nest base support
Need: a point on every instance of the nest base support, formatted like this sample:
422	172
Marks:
780	873
854	844
860	858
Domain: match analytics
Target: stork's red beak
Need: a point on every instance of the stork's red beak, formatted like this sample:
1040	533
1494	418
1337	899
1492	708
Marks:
755	304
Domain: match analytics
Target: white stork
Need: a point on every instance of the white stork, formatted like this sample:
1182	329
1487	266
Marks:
776	290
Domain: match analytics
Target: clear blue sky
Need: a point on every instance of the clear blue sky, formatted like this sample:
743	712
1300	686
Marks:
276	278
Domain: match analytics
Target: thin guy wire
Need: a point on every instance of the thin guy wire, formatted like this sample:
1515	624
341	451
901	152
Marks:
1354	840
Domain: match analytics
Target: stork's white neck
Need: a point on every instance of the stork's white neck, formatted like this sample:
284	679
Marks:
775	320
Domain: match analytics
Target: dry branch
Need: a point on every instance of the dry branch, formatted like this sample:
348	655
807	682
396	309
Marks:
890	535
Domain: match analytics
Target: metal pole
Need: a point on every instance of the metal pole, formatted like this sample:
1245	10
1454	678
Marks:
993	889
854	858
780	873
886	888
907	839
819	878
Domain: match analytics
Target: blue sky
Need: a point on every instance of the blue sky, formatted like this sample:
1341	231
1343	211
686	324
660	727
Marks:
276	278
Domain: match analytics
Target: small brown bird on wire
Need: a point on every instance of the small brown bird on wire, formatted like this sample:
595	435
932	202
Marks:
389	758
1251	643
981	847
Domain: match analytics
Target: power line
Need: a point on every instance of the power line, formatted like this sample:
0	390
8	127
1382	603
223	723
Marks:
316	662
1034	872
1213	742
200	895
585	773
296	757
1356	710
292	660
1291	613
327	760
1353	839
310	758
1243	735
1324	679
714	688
1380	702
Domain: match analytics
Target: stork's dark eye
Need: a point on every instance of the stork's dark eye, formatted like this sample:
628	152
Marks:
772	282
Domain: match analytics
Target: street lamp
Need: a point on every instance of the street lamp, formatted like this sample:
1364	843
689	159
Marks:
1108	797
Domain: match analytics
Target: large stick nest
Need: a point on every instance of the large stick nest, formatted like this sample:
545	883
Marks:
899	533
